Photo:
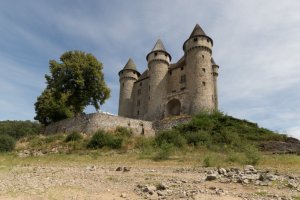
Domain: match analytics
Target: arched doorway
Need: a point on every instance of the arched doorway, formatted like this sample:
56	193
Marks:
173	107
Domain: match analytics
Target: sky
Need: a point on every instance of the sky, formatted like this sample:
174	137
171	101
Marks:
256	45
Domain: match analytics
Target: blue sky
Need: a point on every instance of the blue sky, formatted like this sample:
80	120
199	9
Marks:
256	44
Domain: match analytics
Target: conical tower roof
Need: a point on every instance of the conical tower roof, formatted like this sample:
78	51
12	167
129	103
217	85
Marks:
213	61
197	31
130	65
159	46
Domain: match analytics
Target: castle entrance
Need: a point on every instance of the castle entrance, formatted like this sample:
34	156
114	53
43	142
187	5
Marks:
173	107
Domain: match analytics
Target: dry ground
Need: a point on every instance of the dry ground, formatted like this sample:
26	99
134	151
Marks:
95	177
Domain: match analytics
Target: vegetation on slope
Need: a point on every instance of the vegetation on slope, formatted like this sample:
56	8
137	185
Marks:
219	135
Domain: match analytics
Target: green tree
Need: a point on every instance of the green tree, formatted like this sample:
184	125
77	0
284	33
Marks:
49	109
74	83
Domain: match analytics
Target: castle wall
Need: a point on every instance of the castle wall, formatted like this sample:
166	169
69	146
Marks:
141	99
90	123
176	80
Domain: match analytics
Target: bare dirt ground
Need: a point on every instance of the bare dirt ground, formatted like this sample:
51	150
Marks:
144	181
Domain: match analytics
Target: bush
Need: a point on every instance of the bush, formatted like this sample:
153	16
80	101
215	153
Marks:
123	132
198	138
170	137
164	152
7	143
102	139
74	136
252	155
19	129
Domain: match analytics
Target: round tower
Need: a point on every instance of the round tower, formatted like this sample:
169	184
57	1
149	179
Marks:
215	69
128	75
158	63
199	73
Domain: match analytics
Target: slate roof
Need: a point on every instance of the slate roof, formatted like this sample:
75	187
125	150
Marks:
197	31
130	65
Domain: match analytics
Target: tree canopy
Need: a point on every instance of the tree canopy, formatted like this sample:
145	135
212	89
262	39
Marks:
74	83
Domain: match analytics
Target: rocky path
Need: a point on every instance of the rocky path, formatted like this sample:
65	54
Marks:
146	182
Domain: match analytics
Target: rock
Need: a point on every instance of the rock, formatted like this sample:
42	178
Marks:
222	171
249	168
161	186
126	169
119	169
211	177
123	195
225	180
91	168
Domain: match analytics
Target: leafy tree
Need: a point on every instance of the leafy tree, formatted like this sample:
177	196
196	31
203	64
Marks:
49	109
74	83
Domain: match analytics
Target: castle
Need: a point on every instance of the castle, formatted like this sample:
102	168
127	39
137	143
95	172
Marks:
166	89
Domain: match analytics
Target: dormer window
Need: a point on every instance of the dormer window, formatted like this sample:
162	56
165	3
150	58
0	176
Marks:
195	39
155	54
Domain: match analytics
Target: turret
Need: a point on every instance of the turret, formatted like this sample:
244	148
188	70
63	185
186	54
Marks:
215	69
128	75
158	63
198	52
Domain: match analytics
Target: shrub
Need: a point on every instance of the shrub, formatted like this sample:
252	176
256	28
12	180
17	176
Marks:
101	139
171	137
123	132
19	129
198	138
7	143
164	152
252	155
74	136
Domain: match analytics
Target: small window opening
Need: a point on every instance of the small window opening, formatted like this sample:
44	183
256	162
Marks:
123	84
138	112
155	54
203	69
182	89
182	79
138	103
203	83
202	56
182	68
170	72
139	91
141	83
195	39
207	40
173	91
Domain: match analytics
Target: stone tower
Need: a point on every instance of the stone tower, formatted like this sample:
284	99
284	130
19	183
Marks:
128	75
198	55
158	64
215	68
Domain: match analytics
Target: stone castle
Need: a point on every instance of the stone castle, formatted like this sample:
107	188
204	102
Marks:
166	89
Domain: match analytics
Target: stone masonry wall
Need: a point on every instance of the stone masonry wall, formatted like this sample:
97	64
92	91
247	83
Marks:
92	122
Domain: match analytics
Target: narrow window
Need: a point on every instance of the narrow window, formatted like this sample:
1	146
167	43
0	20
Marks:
173	91
170	73
195	39
182	89
138	112
155	54
139	92
149	87
207	40
203	83
181	68
202	56
203	69
182	79
138	103
122	84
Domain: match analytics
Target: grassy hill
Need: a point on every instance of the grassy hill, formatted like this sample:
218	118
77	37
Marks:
217	137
